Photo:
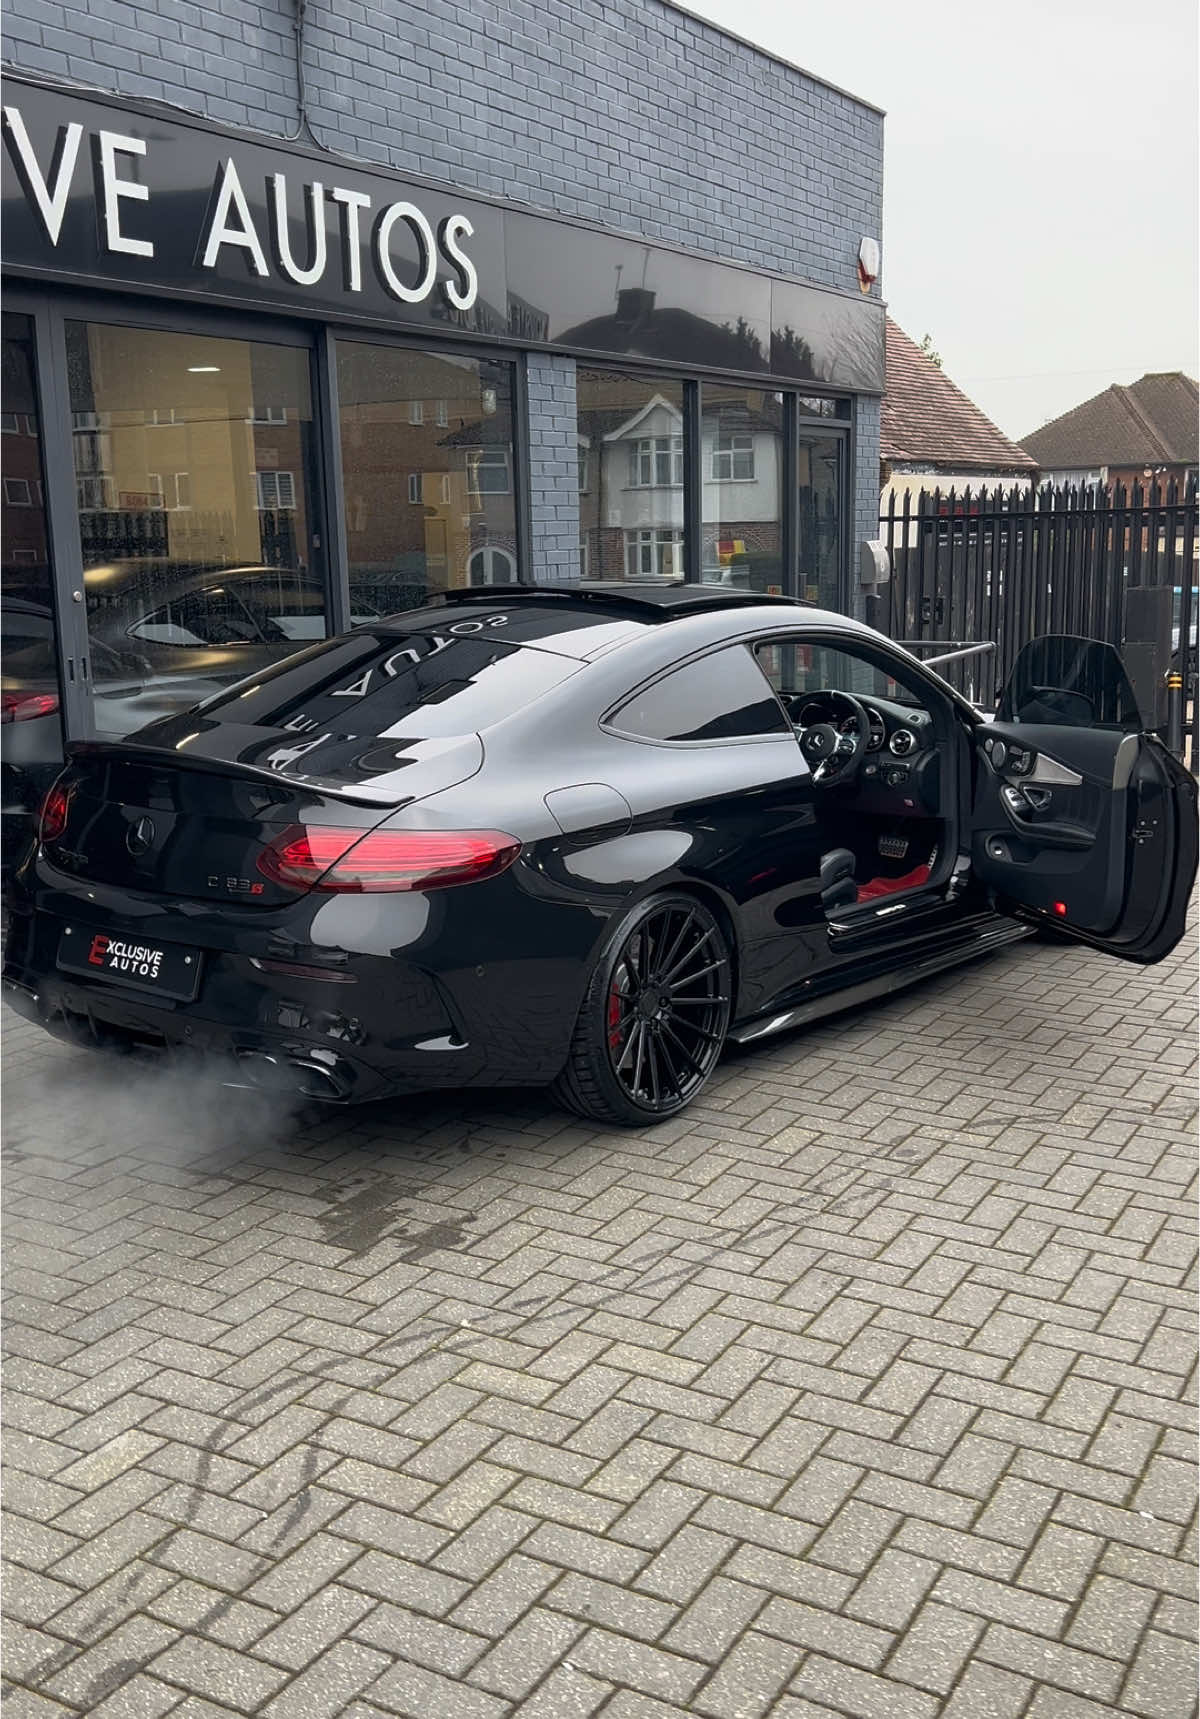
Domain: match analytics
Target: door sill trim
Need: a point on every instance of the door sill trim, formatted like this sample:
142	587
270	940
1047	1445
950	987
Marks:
990	939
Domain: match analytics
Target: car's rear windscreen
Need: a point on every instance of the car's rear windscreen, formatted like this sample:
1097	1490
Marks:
384	684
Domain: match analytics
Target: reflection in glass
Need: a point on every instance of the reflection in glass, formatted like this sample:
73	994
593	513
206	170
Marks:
30	714
817	406
194	484
741	458
630	432
799	670
819	468
428	473
609	295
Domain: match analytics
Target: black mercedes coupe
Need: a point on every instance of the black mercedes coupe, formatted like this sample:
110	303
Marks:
581	835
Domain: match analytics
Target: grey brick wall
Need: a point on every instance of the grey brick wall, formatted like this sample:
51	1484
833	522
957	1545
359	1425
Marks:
553	467
231	60
625	112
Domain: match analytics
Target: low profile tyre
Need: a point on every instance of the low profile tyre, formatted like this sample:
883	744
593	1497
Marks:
654	1019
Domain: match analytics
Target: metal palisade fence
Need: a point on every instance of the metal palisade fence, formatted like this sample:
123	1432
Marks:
1000	567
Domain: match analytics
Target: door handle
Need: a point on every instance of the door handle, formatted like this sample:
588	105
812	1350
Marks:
1022	802
1049	835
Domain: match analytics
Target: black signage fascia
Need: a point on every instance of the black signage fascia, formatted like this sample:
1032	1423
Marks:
99	191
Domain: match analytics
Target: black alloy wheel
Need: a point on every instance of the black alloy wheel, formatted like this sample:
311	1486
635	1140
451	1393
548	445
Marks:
654	1020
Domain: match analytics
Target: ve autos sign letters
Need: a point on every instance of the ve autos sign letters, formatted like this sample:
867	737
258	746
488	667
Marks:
125	196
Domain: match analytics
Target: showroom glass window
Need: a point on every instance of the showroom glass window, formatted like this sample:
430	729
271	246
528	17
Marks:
631	515
741	457
31	715
194	484
821	464
428	473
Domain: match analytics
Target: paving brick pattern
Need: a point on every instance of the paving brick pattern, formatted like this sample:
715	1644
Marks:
863	1390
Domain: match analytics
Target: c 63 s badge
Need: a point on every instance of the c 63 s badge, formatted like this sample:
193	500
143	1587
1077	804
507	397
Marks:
237	885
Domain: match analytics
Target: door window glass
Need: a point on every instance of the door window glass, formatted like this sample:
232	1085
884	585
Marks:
1072	683
717	697
32	750
427	469
630	432
194	481
820	468
741	456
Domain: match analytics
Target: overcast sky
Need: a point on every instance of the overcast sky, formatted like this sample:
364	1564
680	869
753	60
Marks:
1040	181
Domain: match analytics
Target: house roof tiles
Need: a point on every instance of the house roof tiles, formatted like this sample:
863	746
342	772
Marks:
1151	422
927	420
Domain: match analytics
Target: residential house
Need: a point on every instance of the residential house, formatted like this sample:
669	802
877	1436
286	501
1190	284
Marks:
1145	434
933	437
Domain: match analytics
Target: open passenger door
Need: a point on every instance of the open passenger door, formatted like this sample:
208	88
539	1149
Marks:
1080	819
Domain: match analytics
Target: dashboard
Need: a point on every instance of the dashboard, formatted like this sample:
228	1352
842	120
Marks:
900	766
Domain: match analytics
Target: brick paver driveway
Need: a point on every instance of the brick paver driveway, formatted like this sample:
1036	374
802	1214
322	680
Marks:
862	1390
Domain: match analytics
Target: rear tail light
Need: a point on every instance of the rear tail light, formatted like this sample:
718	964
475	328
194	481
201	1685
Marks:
52	817
24	706
321	856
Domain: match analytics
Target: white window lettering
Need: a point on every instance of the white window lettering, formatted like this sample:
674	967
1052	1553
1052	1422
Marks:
356	689
413	655
50	202
315	197
231	198
353	202
427	265
478	626
112	145
283	756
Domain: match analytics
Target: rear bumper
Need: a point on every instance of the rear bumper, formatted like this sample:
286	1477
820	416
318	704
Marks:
373	1021
275	1063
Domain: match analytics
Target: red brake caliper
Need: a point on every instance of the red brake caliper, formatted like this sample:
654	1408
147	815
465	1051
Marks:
614	1017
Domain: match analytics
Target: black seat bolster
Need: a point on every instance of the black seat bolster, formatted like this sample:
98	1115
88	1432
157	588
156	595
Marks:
838	888
836	866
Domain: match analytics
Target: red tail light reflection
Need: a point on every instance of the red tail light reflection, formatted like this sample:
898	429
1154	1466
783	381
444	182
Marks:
52	818
25	706
321	856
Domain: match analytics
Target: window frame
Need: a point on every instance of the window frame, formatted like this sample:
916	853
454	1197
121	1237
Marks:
677	539
730	454
646	452
608	721
278	505
478	460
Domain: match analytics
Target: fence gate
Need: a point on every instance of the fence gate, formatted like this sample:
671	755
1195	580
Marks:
1000	567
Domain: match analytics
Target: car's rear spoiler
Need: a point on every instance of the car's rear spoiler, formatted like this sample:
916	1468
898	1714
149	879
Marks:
137	752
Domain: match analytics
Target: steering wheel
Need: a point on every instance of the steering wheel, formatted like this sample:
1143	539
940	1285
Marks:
834	757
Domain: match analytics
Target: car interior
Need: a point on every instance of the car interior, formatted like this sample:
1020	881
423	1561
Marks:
879	755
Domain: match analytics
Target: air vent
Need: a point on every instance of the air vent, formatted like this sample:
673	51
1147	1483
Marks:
902	742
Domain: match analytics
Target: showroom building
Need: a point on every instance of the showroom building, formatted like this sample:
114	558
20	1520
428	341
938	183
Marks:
312	311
